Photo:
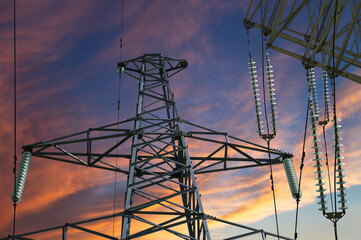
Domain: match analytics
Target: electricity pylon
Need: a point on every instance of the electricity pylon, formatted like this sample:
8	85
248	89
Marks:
305	30
162	195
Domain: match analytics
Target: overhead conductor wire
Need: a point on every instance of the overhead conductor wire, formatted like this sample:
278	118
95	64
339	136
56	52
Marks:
118	113
334	112
268	138
302	164
15	120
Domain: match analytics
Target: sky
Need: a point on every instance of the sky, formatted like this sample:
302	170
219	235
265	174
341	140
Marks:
67	81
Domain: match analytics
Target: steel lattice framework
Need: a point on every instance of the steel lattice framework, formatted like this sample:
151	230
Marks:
162	193
304	30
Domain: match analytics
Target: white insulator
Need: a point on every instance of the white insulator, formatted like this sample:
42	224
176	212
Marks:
318	165
341	182
338	151
338	145
316	153
338	132
318	171
321	190
323	209
343	208
21	177
337	120
291	177
342	188
317	159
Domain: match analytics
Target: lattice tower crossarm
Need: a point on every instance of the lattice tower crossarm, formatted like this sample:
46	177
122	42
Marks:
162	193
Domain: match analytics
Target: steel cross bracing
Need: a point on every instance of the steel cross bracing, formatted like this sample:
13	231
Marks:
304	30
162	192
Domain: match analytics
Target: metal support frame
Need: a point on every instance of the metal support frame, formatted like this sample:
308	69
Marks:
78	225
312	42
161	175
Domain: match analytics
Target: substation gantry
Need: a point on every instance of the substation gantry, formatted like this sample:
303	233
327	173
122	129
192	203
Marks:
161	189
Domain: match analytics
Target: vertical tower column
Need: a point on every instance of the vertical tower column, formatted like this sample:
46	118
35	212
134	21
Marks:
162	197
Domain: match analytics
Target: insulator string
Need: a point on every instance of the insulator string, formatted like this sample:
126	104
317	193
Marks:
21	177
328	168
326	98
254	81
271	93
255	87
263	81
312	77
315	142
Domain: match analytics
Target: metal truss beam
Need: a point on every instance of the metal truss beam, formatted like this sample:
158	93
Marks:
152	228
214	159
304	30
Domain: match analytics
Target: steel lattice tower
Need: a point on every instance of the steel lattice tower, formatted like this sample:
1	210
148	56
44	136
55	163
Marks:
161	190
166	164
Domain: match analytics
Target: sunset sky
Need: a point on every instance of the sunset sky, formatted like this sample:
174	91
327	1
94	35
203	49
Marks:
67	53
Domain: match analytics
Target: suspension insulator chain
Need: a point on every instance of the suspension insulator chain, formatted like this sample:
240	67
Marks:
315	141
255	88
326	96
339	170
271	93
314	98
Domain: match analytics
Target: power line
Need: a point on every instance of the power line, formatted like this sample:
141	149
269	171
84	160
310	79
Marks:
302	165
15	120
118	114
